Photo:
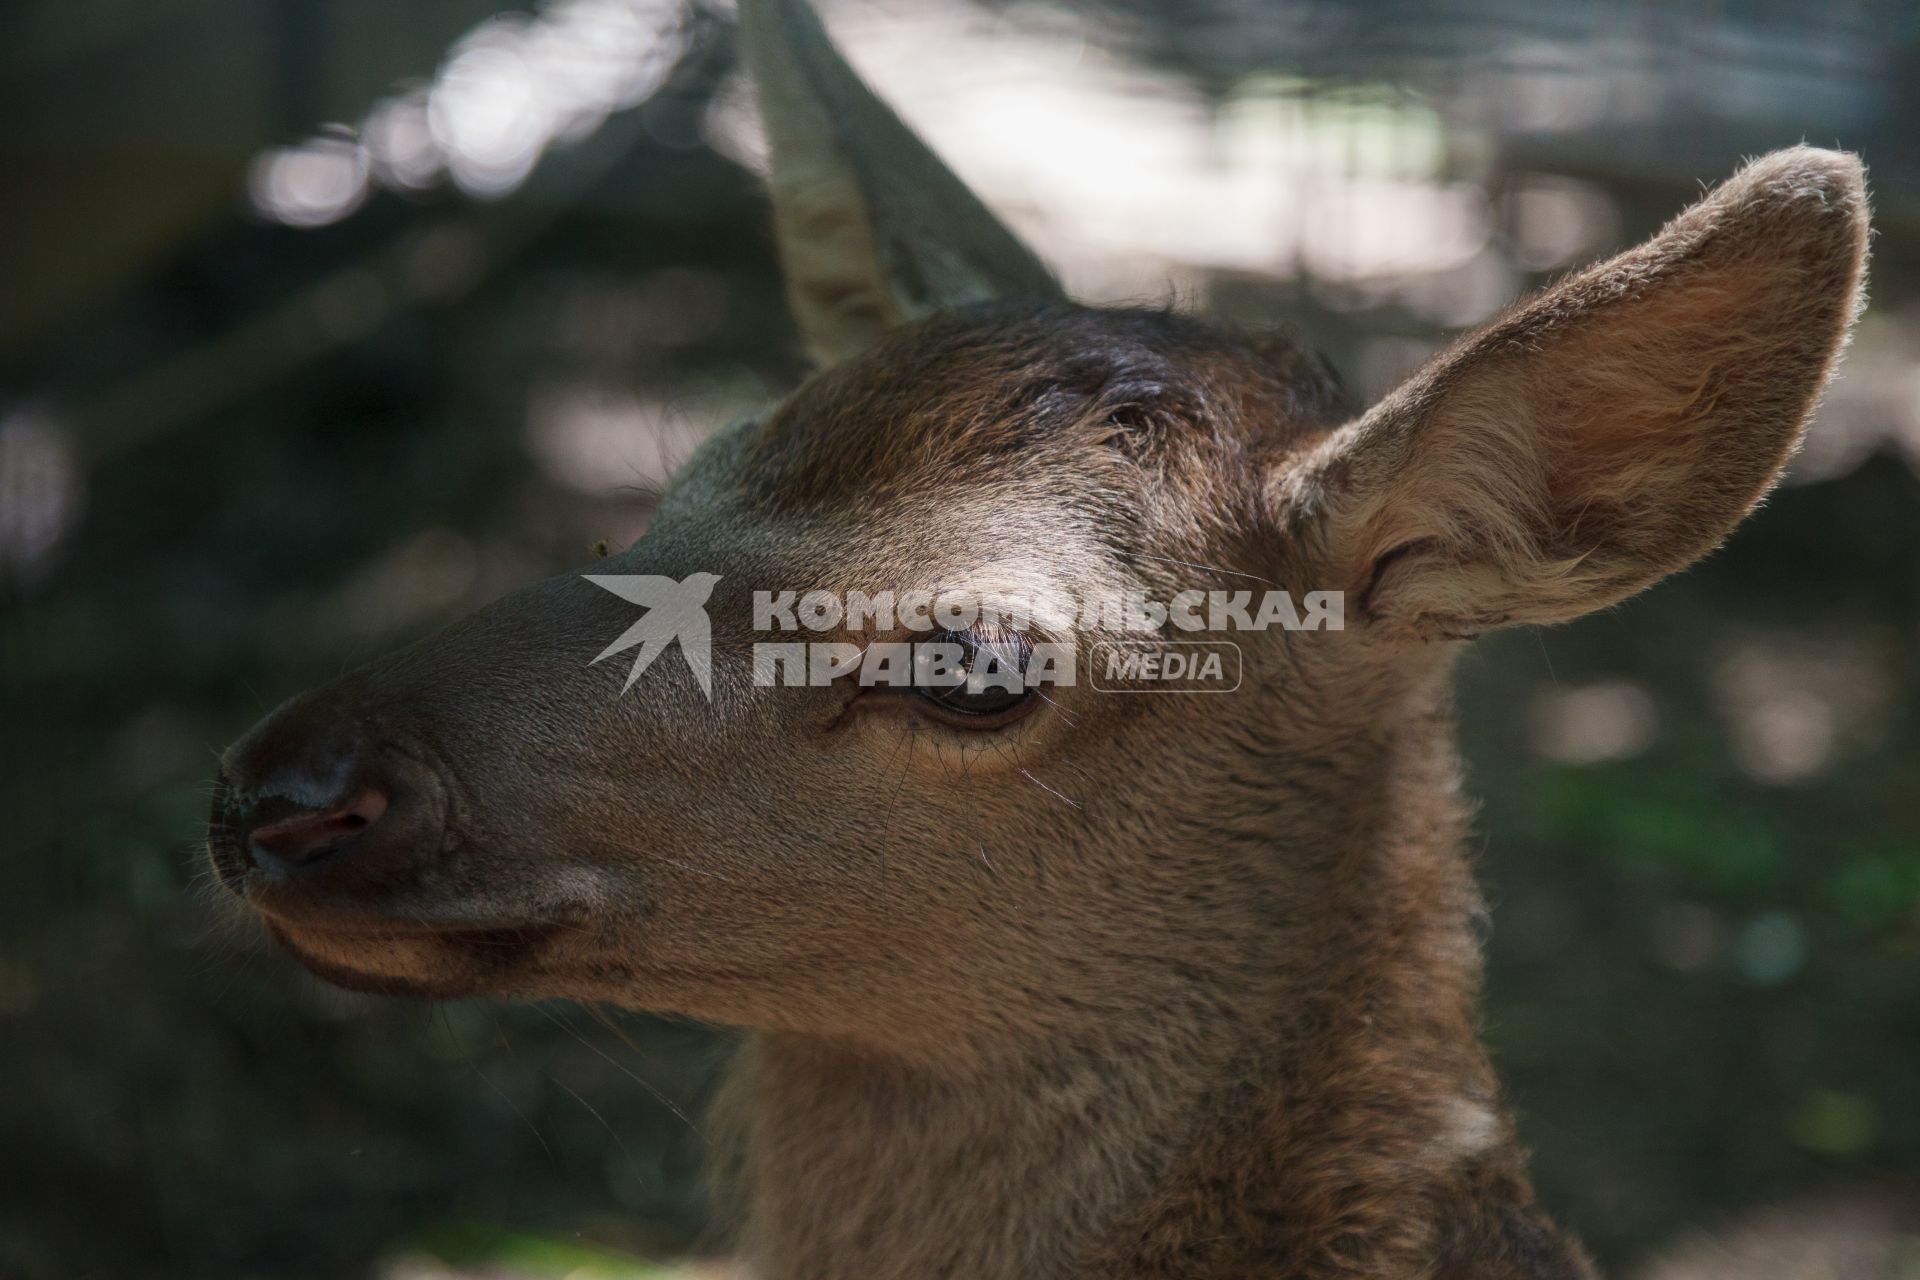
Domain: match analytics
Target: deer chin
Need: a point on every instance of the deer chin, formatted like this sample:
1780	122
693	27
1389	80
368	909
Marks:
424	961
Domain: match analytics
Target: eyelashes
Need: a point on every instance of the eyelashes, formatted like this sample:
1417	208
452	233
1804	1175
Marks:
993	664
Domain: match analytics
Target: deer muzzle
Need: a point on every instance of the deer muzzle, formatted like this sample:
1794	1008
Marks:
316	818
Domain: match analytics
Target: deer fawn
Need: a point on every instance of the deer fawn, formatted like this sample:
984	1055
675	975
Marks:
1057	983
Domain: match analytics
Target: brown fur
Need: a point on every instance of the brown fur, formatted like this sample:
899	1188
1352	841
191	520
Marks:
1534	499
1129	987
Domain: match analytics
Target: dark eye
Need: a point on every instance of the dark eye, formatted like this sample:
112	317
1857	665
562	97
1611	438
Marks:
990	684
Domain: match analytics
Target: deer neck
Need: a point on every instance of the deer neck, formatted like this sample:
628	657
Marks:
1333	1115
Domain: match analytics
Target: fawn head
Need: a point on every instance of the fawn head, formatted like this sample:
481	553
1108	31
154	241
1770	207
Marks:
490	810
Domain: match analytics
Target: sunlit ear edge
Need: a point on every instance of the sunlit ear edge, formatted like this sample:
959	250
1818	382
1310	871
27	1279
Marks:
1439	509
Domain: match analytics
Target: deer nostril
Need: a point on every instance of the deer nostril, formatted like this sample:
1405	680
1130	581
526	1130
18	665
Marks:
309	836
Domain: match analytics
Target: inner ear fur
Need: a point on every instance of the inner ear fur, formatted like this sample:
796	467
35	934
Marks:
1612	429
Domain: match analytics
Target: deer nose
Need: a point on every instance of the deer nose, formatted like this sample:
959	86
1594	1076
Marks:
335	798
315	800
282	840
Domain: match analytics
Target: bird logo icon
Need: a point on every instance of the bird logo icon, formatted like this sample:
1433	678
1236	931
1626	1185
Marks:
675	610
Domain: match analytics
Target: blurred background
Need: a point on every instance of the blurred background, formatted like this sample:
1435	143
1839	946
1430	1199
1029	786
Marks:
324	321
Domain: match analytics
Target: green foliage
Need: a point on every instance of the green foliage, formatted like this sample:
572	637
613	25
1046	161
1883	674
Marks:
491	1248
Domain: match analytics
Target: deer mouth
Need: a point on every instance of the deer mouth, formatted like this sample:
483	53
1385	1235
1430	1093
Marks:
353	866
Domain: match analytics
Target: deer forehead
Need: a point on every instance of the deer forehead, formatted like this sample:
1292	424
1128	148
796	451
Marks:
1047	406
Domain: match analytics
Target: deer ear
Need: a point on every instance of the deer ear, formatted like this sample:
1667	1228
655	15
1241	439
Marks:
873	229
1609	431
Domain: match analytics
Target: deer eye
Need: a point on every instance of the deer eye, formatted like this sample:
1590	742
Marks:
992	683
